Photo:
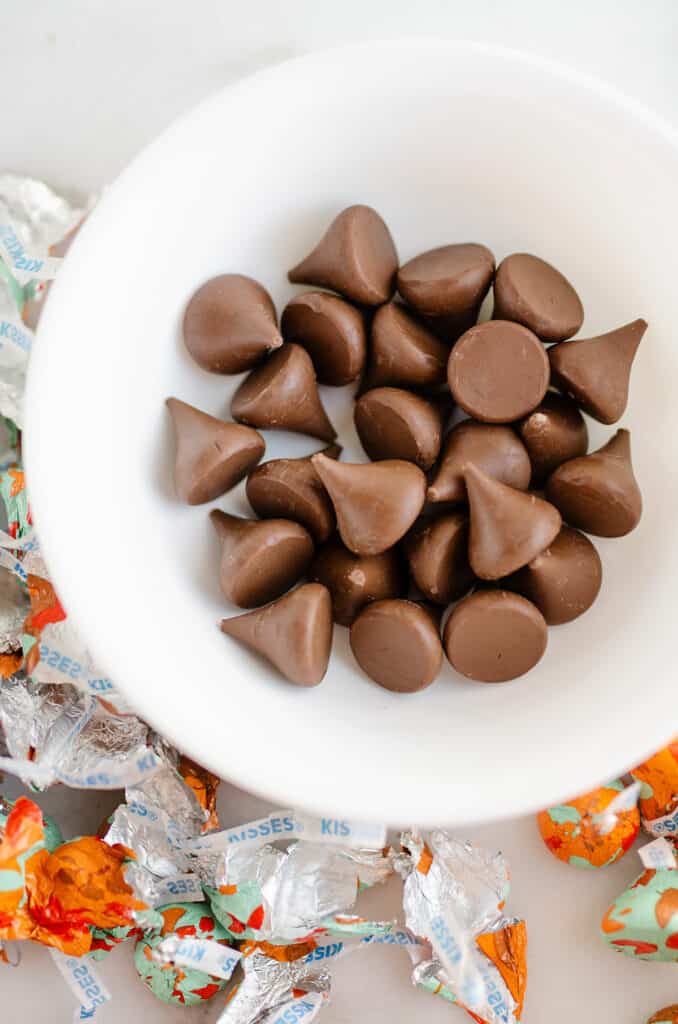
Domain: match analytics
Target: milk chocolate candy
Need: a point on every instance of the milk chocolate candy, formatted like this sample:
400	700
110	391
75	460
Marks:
494	449
375	504
403	352
564	580
498	371
494	635
508	528
212	456
333	333
356	257
531	292
230	324
355	580
260	560
397	644
395	424
283	395
437	552
553	433
598	493
452	280
596	371
294	633
291	489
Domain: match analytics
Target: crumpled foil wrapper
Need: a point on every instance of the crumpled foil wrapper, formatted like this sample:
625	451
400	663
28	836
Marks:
303	888
33	219
453	897
268	984
55	733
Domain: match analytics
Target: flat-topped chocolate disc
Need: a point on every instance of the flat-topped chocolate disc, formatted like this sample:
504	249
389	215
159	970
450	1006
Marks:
375	503
494	449
355	580
356	257
395	424
596	371
333	333
291	489
294	633
508	528
598	493
230	324
283	395
564	580
498	371
260	560
452	279
553	433
493	636
403	352
531	292
212	456
437	552
396	643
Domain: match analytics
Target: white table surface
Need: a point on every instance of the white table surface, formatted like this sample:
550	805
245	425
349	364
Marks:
85	83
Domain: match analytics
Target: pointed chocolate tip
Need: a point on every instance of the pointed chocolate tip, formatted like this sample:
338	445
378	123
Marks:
294	633
508	527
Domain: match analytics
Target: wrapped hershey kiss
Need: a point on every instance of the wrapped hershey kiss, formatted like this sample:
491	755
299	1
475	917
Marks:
530	291
508	528
283	395
260	559
403	352
564	580
294	633
397	644
498	371
375	503
291	489
355	580
331	330
490	447
669	1015
395	424
596	371
212	456
230	324
553	433
598	493
355	257
437	552
449	281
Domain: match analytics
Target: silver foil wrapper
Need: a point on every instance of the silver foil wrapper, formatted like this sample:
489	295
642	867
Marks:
303	887
448	902
55	733
14	606
33	219
269	984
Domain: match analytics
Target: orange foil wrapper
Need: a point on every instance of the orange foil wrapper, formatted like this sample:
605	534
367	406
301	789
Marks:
204	785
65	893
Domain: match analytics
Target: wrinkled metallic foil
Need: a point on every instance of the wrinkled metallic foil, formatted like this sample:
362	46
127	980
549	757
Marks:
29	710
302	887
37	219
14	607
157	814
453	892
39	216
269	983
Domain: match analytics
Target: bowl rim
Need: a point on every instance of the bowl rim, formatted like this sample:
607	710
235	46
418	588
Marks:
53	549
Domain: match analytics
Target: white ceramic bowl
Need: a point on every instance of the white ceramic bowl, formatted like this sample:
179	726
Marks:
450	142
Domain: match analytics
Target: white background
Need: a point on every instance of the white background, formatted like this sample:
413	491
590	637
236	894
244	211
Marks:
85	84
